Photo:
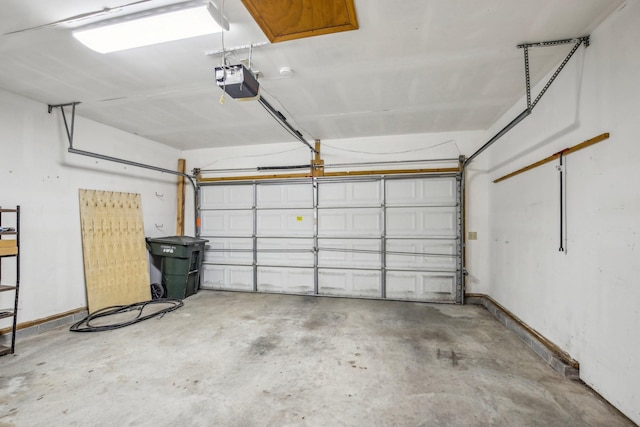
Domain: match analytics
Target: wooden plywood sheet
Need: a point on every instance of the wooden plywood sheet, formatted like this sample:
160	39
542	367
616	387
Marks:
283	20
115	256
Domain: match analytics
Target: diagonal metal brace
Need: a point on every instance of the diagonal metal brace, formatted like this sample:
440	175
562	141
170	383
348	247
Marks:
64	117
525	46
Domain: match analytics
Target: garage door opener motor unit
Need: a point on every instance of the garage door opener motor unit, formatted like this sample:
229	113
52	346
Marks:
237	81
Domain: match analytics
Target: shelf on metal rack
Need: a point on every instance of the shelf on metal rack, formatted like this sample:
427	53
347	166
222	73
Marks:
6	313
4	350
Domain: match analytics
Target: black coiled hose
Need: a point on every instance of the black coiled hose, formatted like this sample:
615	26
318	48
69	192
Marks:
85	324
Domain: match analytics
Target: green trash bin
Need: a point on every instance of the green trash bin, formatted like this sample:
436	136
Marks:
181	261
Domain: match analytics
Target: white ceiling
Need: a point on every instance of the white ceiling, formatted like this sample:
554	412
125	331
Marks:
414	66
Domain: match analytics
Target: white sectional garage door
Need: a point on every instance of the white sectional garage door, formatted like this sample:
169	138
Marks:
376	237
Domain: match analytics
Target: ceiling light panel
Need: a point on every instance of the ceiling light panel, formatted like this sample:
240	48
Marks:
148	30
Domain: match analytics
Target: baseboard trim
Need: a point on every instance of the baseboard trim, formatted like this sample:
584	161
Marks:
557	358
37	326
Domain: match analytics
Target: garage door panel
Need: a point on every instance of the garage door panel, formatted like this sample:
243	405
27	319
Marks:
285	222
223	250
421	286
296	252
417	253
364	222
348	252
341	194
421	191
229	196
421	221
226	223
358	283
285	280
225	277
404	226
278	195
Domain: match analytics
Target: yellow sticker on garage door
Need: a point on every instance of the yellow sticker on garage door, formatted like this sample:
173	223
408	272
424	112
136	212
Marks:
298	218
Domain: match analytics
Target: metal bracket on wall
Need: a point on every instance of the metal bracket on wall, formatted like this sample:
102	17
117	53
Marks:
70	131
525	46
70	134
530	105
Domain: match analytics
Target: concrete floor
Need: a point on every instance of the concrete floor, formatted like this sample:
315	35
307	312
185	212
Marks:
234	359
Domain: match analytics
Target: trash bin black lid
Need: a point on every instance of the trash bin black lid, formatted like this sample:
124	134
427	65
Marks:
176	240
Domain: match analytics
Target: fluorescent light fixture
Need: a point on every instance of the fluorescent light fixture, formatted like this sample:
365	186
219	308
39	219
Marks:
217	15
122	34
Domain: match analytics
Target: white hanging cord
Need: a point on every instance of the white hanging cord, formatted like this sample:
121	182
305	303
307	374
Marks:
224	51
394	152
224	58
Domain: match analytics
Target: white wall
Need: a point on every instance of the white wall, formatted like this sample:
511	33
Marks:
38	174
373	149
586	300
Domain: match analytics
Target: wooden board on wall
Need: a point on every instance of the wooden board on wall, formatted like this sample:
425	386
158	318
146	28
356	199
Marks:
182	167
115	257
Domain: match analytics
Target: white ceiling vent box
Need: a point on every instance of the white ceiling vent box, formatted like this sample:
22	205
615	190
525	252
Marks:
237	81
